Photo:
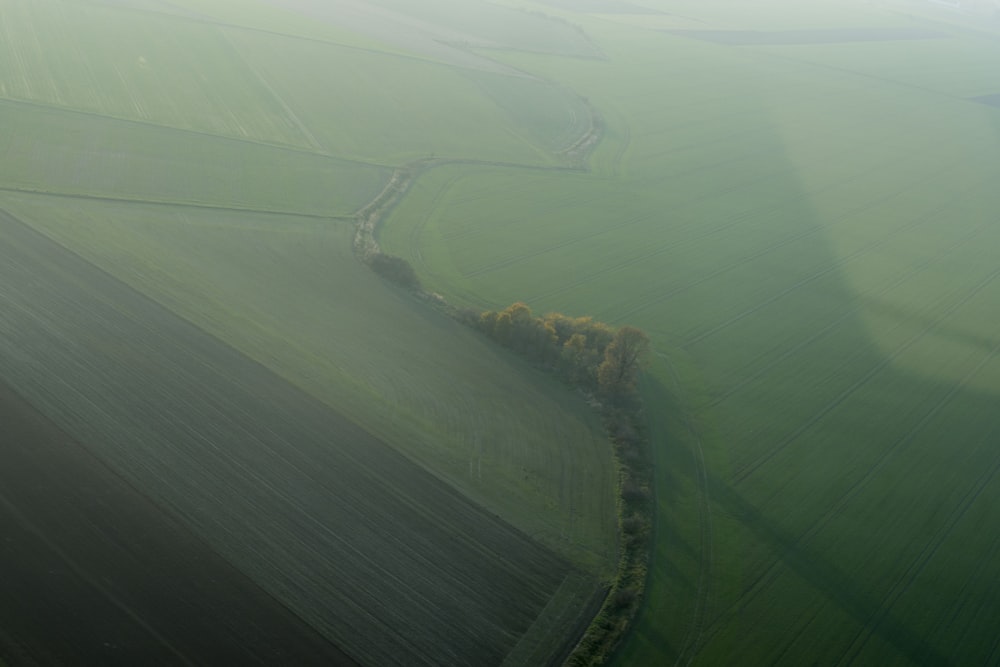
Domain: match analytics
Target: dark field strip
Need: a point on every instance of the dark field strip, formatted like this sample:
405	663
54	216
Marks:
988	100
385	560
94	573
800	37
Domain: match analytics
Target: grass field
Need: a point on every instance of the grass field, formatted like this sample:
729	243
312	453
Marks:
182	300
807	231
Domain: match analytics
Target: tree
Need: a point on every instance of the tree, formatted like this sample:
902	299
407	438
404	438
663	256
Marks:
394	269
503	329
521	326
488	322
578	360
623	358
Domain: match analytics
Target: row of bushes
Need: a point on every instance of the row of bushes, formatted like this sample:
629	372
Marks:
626	428
583	351
604	362
394	269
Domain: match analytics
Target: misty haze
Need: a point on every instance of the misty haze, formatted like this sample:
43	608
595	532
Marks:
499	332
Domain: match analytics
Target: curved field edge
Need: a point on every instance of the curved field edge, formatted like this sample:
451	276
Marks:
677	581
614	617
813	281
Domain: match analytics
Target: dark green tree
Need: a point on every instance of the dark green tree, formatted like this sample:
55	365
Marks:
394	269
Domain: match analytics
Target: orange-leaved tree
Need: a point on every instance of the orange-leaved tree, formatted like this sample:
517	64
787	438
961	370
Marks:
624	357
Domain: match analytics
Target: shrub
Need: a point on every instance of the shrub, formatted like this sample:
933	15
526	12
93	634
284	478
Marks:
394	269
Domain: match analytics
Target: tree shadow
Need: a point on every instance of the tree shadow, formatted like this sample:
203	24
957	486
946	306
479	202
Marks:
792	327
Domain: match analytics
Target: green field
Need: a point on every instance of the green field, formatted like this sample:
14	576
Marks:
63	152
806	230
796	200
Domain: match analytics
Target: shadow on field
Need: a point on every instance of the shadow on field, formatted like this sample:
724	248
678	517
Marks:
823	460
823	575
945	330
847	378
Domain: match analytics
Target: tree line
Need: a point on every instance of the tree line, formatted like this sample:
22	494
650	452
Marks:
394	269
606	363
582	350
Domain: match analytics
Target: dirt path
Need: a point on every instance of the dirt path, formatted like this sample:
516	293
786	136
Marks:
369	217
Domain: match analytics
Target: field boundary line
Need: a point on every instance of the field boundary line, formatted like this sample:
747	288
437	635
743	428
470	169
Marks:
421	224
310	137
125	120
369	217
167	203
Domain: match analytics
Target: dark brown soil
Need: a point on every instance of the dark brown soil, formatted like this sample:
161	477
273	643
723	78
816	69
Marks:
96	574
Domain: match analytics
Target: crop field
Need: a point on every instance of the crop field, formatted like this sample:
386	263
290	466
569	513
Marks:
449	407
390	96
63	152
181	304
276	482
64	517
122	64
434	29
808	232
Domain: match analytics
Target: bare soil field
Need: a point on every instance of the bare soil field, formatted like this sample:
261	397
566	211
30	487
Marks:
381	557
104	576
